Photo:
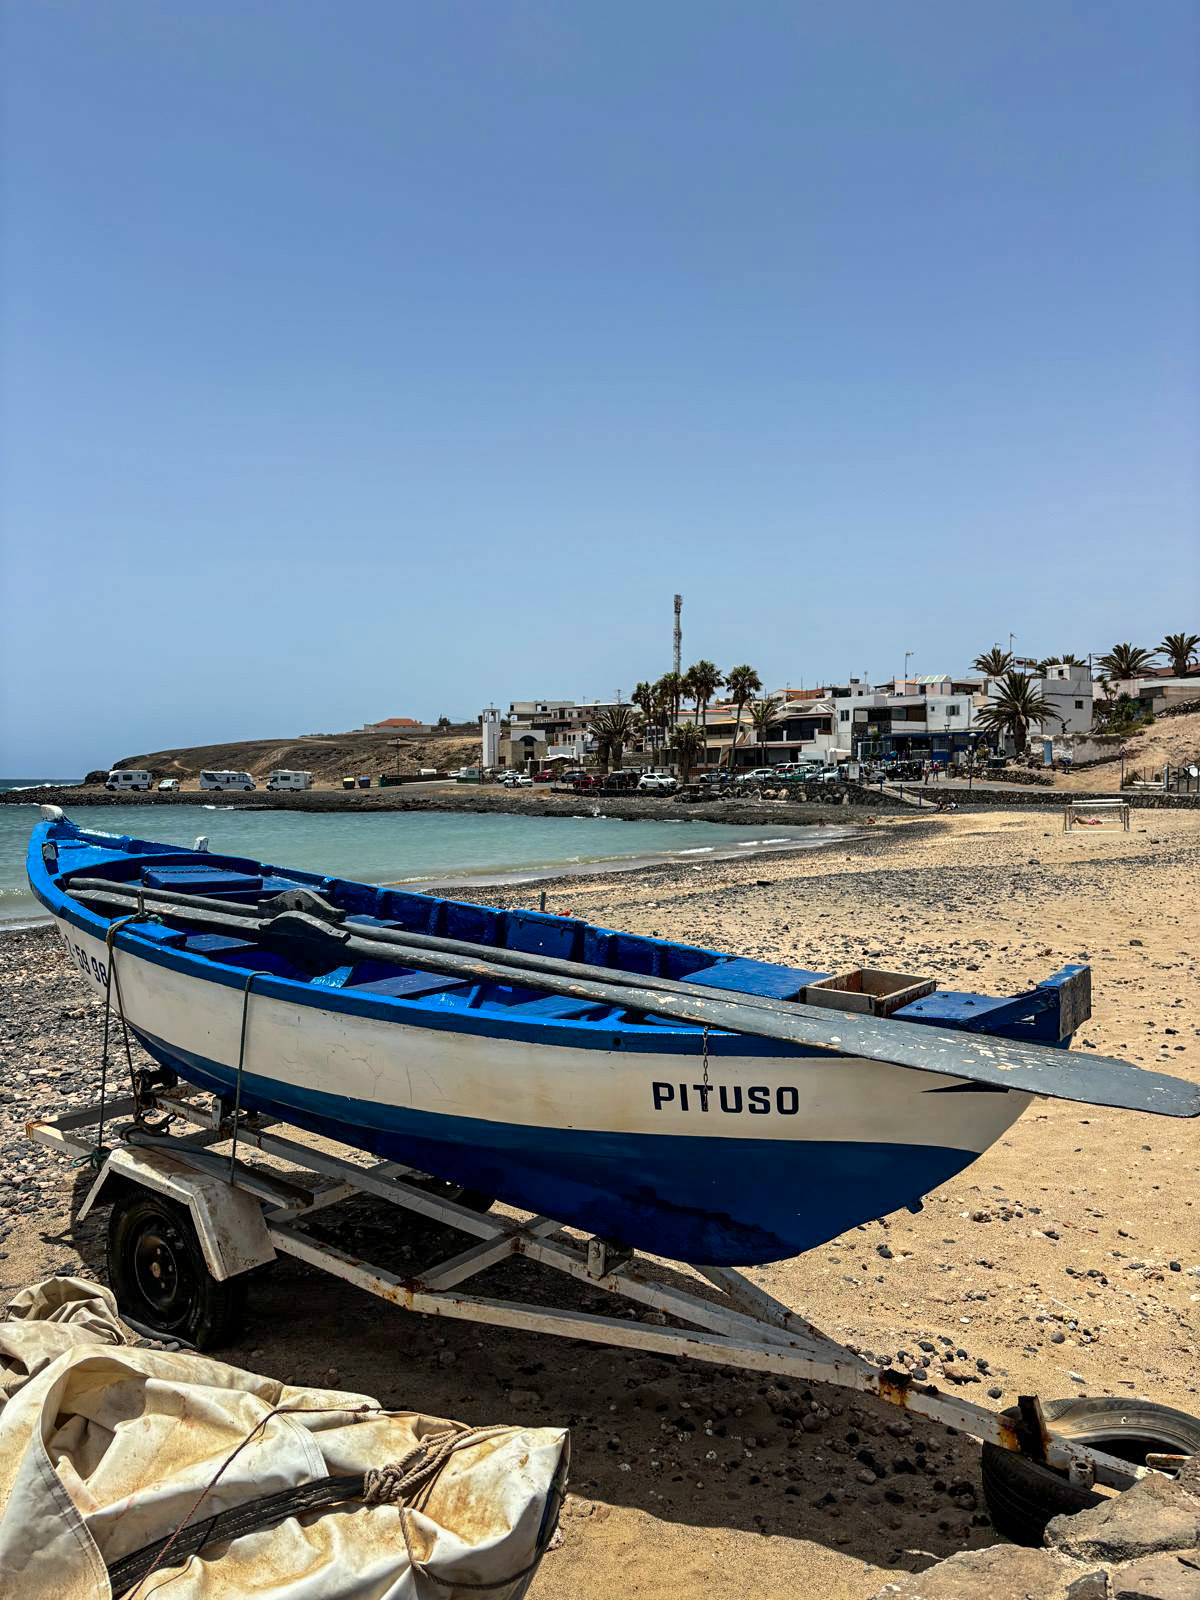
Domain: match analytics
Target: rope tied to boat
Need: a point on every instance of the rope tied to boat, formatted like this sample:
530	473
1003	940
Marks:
110	973
241	1068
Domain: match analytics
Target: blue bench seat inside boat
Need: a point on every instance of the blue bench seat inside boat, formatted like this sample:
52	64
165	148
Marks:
215	944
406	985
202	880
742	976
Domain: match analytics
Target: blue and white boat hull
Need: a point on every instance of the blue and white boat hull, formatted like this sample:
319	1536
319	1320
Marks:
747	1152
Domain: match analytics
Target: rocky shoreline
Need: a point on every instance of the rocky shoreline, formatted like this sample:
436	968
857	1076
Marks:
477	798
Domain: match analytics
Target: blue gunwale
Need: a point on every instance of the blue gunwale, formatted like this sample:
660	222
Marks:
485	1013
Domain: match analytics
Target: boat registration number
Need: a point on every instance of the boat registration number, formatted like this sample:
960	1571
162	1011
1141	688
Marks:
88	965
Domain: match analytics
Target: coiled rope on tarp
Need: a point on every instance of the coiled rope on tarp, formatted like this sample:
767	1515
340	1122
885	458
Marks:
406	1484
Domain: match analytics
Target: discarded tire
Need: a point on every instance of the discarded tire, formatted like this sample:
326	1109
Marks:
1022	1496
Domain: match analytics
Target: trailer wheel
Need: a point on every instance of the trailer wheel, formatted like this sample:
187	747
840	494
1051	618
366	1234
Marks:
1022	1495
158	1274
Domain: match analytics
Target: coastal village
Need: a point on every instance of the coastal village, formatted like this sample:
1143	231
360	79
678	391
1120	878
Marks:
1063	711
1060	722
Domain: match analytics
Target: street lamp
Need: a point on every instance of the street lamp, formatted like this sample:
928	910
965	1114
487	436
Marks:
908	655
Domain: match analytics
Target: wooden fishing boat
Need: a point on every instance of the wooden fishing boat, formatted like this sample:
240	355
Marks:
698	1105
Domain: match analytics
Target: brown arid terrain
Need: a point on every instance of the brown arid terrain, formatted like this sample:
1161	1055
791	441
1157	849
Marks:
1173	738
1065	1260
329	757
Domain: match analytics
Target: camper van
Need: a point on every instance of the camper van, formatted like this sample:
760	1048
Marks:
127	778
226	780
282	778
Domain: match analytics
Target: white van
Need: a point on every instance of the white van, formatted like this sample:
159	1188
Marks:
226	780
127	778
283	778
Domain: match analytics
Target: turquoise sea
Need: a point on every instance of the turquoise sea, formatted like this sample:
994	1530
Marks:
397	846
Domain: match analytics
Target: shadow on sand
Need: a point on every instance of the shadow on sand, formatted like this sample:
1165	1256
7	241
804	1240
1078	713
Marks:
683	1441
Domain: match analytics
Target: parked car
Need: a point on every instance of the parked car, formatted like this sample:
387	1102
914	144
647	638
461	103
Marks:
587	780
657	783
758	775
545	776
522	781
622	778
168	786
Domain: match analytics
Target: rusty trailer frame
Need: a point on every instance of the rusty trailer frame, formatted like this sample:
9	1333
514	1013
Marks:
245	1216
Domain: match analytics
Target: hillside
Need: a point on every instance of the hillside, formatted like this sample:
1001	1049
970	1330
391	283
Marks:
328	757
1169	738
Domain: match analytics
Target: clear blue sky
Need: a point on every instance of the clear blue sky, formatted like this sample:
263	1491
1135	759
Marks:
387	358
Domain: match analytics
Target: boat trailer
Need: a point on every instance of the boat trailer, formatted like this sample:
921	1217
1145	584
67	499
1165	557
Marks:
246	1215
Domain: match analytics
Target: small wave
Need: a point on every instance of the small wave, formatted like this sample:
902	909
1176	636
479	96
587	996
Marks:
697	850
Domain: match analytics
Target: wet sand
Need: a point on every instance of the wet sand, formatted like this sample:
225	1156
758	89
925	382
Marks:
1067	1259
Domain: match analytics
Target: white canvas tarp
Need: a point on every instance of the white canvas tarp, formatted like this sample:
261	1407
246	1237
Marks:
107	1445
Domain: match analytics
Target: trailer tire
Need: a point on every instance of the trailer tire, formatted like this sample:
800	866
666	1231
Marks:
1022	1495
158	1273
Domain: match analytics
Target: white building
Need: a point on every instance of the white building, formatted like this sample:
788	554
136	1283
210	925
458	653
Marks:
489	729
1069	690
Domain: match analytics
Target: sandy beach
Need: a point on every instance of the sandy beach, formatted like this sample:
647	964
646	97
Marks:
1066	1260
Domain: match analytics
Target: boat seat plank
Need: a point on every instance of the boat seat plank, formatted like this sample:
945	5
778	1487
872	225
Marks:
767	978
209	944
156	933
337	979
957	1008
202	880
554	1006
408	985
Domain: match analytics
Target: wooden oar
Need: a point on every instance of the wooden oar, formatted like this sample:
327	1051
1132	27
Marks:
307	900
978	1058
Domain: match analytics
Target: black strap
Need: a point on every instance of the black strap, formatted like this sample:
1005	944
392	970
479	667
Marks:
251	1517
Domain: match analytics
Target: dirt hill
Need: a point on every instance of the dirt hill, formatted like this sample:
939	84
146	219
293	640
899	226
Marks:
1169	738
329	757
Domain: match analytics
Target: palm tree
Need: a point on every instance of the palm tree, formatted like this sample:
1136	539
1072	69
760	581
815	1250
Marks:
762	714
701	681
994	662
1065	660
1126	660
645	698
613	728
1016	706
1180	650
685	741
670	686
743	684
